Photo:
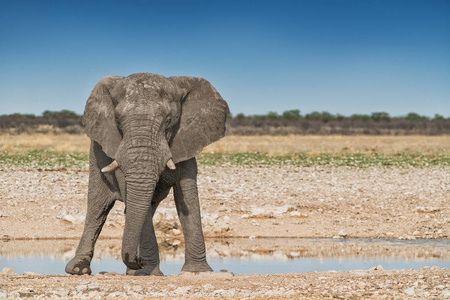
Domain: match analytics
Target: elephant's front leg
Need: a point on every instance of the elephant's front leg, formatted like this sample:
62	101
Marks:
101	199
188	208
100	202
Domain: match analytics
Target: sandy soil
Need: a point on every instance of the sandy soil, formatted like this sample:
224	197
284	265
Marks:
395	203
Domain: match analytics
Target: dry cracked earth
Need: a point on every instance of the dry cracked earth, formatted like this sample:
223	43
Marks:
243	205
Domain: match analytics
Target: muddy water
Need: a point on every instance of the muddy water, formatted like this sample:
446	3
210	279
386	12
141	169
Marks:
243	256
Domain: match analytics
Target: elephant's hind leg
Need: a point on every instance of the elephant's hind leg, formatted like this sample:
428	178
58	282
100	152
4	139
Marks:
101	199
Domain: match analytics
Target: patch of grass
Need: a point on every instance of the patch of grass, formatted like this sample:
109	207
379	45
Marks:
47	160
43	160
327	160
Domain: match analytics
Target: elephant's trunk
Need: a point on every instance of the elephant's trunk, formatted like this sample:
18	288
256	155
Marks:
139	193
144	156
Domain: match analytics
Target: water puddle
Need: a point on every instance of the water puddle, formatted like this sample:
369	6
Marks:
242	256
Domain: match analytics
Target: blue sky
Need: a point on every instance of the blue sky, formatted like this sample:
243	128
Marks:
340	56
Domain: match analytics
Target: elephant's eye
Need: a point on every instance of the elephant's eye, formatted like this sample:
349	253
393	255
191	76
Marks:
168	122
119	126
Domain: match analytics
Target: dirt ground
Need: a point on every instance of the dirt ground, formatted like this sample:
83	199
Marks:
251	203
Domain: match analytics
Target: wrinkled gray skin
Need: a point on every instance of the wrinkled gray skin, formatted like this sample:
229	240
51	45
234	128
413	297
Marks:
144	122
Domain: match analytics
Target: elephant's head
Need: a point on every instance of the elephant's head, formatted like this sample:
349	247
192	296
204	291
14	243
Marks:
145	123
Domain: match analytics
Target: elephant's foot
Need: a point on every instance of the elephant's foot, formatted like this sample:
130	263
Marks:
148	270
79	266
196	267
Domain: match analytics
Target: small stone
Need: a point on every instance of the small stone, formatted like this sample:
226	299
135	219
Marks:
61	293
446	294
410	291
93	294
176	243
7	271
93	287
294	254
182	290
3	295
30	273
343	233
176	231
81	287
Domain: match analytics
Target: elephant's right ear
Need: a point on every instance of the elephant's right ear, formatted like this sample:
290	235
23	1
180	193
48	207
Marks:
99	118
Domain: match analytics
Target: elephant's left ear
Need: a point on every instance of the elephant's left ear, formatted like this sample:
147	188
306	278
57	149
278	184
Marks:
203	117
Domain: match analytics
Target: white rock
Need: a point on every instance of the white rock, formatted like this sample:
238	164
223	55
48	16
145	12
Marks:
93	286
182	290
343	233
377	268
7	271
297	214
410	291
446	294
61	293
30	273
71	215
81	287
3	295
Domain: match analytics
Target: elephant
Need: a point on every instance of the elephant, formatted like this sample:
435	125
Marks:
145	131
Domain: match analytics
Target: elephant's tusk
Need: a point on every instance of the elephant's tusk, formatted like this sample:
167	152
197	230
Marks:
171	164
111	167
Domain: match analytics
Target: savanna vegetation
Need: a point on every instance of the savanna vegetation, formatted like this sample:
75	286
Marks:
325	123
56	140
289	122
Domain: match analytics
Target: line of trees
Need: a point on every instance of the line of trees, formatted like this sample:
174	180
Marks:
324	116
64	121
288	122
377	123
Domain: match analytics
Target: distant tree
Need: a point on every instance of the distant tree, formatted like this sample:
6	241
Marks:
63	114
327	117
292	115
438	117
380	116
23	116
271	115
415	117
340	117
240	116
359	117
314	116
48	114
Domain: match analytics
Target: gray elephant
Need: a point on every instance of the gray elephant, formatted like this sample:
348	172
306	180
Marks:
145	132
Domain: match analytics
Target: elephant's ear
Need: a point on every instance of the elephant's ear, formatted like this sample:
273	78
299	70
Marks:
99	118
203	117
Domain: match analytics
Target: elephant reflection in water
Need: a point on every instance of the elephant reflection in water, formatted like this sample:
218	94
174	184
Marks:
145	132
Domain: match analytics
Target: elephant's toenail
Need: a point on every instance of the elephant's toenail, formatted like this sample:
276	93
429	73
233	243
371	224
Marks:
85	270
76	269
